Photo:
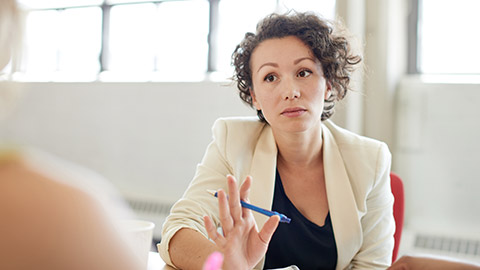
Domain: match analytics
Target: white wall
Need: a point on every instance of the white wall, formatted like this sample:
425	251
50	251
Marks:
437	153
147	138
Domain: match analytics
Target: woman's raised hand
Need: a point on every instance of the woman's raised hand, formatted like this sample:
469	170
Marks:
242	245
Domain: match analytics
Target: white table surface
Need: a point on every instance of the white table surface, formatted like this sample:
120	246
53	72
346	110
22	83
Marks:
155	262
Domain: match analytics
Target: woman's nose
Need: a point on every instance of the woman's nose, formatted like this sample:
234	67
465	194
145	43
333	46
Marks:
291	91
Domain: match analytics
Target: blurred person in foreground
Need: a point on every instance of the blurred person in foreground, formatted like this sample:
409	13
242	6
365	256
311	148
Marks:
53	215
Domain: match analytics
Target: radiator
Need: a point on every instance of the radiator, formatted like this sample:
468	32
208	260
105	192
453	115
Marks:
448	245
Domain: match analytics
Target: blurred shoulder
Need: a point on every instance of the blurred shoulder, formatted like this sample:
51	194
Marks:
38	177
30	183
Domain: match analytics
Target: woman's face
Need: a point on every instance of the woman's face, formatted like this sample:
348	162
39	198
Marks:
288	84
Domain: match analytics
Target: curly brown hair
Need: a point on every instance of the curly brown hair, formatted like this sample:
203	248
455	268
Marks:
331	48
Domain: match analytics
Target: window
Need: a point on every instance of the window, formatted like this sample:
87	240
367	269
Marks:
62	43
164	41
132	40
236	19
233	24
448	37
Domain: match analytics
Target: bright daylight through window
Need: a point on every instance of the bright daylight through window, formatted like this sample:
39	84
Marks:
449	37
132	40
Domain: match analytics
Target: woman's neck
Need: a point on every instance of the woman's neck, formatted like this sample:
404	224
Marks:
301	150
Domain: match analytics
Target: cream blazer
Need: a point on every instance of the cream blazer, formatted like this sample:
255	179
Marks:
357	175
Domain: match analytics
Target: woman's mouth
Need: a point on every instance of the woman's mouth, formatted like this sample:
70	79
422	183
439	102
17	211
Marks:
293	112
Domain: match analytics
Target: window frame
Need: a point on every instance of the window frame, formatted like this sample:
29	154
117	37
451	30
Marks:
212	66
412	37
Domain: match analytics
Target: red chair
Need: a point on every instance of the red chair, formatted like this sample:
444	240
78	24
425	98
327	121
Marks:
398	210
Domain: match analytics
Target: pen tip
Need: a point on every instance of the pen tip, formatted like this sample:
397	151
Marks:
211	191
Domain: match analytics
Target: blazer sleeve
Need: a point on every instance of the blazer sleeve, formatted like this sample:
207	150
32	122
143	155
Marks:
378	224
188	212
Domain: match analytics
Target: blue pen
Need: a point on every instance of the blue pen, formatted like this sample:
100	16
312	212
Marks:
266	212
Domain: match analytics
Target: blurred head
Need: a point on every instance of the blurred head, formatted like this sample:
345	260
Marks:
328	45
10	31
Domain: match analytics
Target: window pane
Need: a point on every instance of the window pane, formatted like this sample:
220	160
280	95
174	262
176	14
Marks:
170	39
63	43
43	4
235	20
132	38
42	43
325	8
449	37
249	12
181	40
113	2
80	42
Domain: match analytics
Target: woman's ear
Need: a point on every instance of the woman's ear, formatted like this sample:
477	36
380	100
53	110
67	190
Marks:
328	90
254	99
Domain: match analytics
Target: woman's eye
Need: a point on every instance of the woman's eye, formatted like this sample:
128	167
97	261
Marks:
270	78
304	73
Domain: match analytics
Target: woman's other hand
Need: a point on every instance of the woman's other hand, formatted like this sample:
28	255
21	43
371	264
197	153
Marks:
242	245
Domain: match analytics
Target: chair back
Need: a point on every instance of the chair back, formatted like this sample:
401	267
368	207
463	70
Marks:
398	210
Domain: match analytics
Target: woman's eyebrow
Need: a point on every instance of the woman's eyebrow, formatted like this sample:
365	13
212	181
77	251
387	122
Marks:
303	58
294	62
267	64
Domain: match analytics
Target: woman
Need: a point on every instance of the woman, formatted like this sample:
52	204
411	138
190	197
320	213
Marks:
333	184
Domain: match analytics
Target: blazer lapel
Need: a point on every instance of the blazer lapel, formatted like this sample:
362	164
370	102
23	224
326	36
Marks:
263	173
341	201
264	164
343	210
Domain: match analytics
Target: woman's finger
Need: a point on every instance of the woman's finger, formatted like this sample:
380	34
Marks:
212	232
224	210
245	188
268	229
209	227
234	199
244	191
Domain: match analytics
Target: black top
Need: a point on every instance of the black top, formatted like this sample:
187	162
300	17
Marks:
302	242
